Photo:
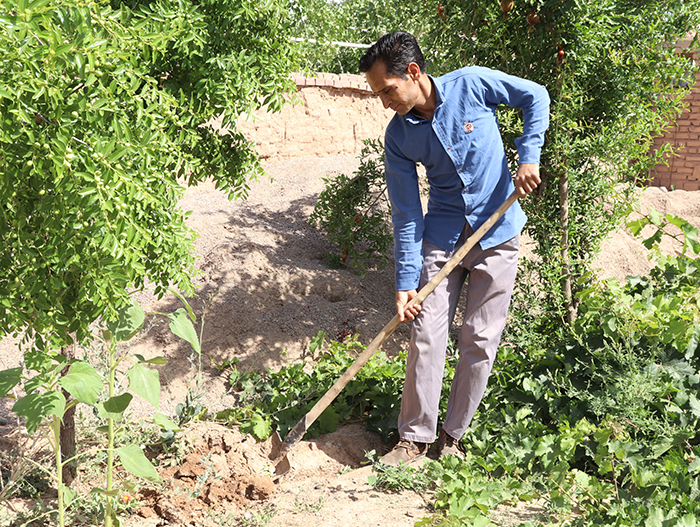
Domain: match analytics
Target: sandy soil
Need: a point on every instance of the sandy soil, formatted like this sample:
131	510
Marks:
267	291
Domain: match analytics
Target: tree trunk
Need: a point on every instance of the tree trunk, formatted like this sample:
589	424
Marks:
565	258
67	433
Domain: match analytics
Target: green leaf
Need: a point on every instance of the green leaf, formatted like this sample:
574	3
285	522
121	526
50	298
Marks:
135	462
481	521
259	426
694	404
104	492
654	217
37	360
68	495
165	423
36	4
184	301
636	226
129	321
694	467
82	382
693	343
656	518
145	383
694	245
328	420
155	360
317	342
653	240
661	446
9	379
182	326
687	520
37	406
114	407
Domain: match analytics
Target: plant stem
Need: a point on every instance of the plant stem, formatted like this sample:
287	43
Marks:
110	434
56	427
566	270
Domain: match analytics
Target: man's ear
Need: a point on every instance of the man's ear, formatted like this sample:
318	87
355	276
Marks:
413	71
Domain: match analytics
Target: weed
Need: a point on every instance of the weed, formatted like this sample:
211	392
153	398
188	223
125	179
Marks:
395	479
40	516
257	518
225	364
281	398
302	506
20	475
208	477
333	260
190	410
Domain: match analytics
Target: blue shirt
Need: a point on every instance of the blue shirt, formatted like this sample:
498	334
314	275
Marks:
466	166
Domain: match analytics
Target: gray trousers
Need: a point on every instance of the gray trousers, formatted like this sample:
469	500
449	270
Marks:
491	275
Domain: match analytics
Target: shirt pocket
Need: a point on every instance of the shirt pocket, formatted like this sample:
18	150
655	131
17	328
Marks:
479	141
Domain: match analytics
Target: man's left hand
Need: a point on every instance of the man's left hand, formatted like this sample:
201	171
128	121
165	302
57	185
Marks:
527	178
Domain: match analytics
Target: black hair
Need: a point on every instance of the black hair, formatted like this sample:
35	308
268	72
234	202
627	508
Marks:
396	50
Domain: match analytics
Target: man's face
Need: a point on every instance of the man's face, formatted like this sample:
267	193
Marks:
395	93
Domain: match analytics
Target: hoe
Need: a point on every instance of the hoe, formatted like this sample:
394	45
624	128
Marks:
280	448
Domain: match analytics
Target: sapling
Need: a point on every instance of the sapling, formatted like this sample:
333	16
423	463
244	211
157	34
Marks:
44	404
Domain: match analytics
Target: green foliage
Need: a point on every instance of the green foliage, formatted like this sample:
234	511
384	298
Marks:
281	398
466	493
106	110
355	211
45	403
32	483
614	78
395	479
189	410
326	22
103	111
601	425
663	225
605	421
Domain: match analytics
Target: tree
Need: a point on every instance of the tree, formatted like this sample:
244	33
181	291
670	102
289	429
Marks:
614	75
612	71
318	23
103	111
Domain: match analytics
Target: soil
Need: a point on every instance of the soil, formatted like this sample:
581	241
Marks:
264	291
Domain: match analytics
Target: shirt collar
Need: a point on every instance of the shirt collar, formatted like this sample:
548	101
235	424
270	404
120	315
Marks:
413	118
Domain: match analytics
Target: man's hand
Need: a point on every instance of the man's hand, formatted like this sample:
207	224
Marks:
403	298
527	178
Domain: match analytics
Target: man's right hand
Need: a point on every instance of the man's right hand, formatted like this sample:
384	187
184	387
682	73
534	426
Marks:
403	298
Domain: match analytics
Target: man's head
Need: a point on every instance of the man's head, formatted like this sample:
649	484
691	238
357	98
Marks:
395	70
396	50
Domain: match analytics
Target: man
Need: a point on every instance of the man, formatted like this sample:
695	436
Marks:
449	125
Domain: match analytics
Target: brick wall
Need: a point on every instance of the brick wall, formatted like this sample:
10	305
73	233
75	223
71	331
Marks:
333	115
682	171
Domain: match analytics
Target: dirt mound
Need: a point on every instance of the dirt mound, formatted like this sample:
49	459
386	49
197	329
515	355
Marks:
224	470
227	475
